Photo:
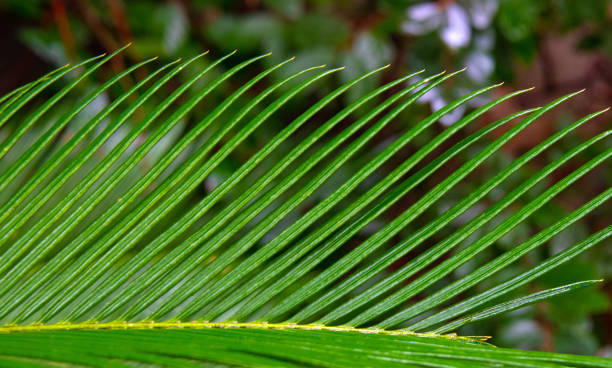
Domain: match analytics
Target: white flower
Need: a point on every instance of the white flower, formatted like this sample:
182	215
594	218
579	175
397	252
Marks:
482	12
453	21
457	31
422	18
480	66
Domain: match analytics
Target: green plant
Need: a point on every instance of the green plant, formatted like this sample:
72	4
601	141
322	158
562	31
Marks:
112	260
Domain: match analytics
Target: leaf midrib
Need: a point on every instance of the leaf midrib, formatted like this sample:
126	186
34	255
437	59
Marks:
144	325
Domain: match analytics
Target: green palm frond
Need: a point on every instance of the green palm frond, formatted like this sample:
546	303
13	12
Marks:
112	256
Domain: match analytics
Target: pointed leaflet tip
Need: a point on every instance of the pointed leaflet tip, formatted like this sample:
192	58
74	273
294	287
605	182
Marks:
413	74
600	111
526	90
292	58
573	94
430	78
379	69
123	48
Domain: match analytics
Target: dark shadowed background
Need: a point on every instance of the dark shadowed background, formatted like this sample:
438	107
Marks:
558	46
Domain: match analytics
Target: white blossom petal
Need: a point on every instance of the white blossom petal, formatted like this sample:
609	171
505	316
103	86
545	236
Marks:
422	18
480	66
423	12
484	41
482	12
457	32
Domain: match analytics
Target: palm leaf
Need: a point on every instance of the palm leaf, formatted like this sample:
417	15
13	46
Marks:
109	257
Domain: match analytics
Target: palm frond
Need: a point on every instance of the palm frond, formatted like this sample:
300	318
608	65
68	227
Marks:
104	257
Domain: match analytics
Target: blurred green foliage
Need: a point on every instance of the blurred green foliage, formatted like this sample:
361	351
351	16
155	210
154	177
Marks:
492	38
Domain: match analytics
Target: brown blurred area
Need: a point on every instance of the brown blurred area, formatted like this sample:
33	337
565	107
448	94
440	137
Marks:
560	69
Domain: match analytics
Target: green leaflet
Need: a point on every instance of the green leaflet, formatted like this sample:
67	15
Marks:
26	158
32	235
307	263
439	249
518	280
15	96
199	209
532	243
84	208
97	172
264	226
28	93
515	304
495	234
223	216
111	213
112	263
367	197
347	262
78	161
45	170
